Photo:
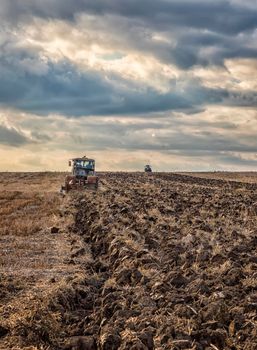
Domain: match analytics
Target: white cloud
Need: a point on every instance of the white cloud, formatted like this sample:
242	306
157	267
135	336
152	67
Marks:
90	45
236	75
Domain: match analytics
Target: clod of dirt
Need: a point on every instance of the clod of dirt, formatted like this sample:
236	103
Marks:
110	341
181	344
54	229
217	311
147	339
3	331
78	252
176	279
81	343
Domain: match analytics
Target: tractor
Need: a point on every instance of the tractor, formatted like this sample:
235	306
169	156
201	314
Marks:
148	168
82	175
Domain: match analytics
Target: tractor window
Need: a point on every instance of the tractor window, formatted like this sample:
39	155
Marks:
88	164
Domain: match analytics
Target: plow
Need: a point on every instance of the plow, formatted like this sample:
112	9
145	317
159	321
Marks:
82	175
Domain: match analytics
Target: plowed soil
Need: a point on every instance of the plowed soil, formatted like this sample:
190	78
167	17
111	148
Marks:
162	261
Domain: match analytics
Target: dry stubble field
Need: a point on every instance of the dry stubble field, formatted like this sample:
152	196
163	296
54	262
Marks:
165	261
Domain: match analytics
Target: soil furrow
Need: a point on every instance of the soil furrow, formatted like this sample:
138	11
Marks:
173	265
159	262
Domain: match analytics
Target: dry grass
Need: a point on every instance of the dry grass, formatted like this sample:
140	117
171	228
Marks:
28	207
34	262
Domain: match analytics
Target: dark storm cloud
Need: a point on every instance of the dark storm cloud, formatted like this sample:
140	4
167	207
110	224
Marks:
37	76
12	137
29	84
185	143
44	88
169	136
205	142
194	24
60	88
219	16
243	99
188	49
237	160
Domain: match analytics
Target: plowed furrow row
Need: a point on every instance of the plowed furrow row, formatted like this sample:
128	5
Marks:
173	264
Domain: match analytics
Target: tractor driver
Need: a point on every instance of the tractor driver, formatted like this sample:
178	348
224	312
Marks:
89	165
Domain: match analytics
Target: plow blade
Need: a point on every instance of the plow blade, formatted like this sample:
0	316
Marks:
74	183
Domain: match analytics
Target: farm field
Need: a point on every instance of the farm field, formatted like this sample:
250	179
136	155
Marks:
249	177
161	261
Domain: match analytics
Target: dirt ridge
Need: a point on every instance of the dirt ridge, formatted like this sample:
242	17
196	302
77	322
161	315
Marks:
160	262
153	286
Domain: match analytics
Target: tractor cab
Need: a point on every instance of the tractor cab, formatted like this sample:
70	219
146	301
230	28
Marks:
82	175
82	167
148	168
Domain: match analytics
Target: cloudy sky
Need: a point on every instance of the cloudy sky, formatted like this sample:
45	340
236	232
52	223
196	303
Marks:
169	82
